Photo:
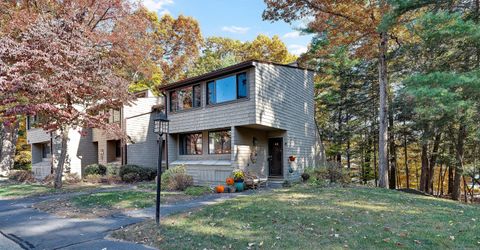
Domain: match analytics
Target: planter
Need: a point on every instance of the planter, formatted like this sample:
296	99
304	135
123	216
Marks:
239	186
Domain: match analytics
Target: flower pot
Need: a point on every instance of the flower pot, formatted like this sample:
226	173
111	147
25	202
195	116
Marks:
239	186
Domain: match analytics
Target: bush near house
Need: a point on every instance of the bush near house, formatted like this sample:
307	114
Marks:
23	176
330	173
22	161
92	169
176	179
134	173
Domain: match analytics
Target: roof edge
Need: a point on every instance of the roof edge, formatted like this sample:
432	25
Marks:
223	71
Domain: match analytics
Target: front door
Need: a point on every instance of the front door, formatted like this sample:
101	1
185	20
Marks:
275	156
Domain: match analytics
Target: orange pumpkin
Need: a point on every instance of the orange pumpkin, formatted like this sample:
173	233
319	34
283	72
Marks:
219	189
230	181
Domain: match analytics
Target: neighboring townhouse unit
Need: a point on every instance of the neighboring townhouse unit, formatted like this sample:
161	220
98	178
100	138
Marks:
255	116
97	146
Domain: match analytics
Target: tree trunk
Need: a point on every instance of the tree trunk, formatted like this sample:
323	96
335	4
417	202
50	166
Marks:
392	153
439	182
424	173
383	119
62	158
450	172
462	134
9	137
405	151
432	161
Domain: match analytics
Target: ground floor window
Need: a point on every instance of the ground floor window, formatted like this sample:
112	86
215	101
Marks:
219	142
191	144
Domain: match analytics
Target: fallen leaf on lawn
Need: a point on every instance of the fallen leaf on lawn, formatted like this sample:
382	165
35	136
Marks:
452	237
251	244
398	244
403	234
387	229
417	241
260	244
386	240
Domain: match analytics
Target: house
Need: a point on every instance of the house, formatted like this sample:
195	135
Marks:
255	115
98	146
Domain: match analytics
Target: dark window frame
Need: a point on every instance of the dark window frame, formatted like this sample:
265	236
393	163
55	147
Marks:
182	144
236	76
216	131
193	106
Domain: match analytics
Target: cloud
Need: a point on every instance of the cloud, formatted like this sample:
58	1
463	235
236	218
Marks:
293	34
235	29
157	5
297	49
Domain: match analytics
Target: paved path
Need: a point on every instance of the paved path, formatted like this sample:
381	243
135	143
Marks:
34	229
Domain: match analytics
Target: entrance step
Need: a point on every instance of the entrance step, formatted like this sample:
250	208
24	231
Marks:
275	182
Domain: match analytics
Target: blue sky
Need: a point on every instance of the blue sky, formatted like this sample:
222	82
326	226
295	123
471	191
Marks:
238	19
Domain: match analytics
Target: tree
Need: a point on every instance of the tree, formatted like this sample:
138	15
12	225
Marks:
220	52
60	69
172	46
347	22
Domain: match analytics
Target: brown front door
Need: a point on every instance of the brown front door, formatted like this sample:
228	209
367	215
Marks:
275	156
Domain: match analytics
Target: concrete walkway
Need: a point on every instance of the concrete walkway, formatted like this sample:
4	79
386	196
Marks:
33	229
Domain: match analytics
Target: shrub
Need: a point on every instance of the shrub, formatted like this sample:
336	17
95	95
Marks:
305	177
197	191
112	170
23	161
332	173
179	182
93	169
93	178
176	178
71	178
134	173
49	180
110	179
23	176
180	169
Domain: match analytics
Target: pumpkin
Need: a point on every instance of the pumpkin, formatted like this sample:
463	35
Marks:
219	189
230	181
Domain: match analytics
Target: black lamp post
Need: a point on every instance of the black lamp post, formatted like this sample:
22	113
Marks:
160	128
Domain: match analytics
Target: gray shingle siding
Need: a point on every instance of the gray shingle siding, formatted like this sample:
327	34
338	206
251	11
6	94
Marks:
280	104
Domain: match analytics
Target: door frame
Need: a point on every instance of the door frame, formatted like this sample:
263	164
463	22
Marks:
270	147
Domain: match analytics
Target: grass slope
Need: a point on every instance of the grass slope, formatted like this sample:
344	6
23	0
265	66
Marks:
318	218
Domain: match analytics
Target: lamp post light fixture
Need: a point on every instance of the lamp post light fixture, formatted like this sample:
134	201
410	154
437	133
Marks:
160	127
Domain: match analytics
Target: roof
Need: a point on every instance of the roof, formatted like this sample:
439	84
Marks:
220	72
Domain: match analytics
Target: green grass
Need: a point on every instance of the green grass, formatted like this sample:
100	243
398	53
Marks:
197	190
115	199
22	190
318	218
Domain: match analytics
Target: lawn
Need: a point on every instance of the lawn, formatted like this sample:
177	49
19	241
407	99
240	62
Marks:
22	190
317	218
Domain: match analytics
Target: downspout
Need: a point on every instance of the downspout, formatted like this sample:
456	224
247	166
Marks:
123	124
166	136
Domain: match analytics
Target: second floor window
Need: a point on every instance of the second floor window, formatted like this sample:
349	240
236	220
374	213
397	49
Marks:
227	89
185	98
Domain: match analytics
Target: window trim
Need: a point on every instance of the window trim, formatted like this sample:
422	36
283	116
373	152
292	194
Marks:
219	130
236	89
170	108
180	142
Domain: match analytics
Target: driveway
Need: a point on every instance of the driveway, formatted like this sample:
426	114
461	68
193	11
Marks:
33	229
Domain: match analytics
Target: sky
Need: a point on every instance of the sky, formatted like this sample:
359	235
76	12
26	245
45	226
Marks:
237	19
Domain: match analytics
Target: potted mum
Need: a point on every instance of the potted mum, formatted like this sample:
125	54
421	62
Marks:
238	177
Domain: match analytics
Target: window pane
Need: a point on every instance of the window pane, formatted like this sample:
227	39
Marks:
191	144
197	96
185	98
173	101
226	89
211	93
181	99
219	142
242	85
